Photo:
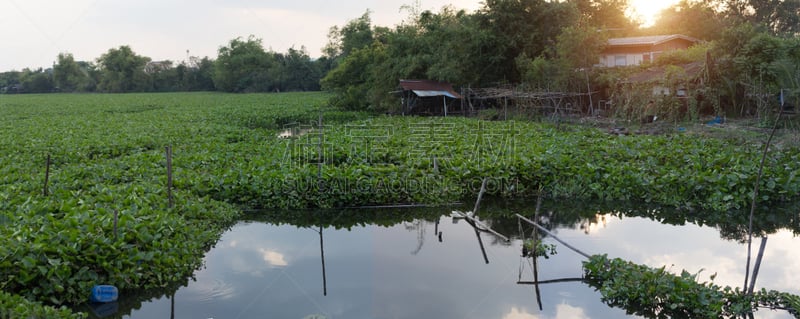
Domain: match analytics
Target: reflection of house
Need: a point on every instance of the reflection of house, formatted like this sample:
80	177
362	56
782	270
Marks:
429	97
638	50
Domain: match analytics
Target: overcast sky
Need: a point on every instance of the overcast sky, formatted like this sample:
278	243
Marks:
33	32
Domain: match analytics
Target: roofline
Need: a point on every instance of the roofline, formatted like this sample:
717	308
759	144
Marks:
665	39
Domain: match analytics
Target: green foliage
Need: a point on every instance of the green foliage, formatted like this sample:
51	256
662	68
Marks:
696	53
356	81
12	306
357	34
70	76
244	66
656	293
537	248
698	19
108	156
123	71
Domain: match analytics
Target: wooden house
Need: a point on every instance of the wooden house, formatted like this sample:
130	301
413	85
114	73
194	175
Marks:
639	50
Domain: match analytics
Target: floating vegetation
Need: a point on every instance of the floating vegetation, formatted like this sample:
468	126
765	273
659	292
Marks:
656	293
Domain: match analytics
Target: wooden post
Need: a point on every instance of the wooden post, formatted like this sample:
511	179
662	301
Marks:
169	176
46	175
444	100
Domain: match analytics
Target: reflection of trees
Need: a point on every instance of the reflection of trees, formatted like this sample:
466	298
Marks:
348	218
499	215
583	215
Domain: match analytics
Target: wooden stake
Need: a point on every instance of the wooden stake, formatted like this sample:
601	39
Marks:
169	176
46	175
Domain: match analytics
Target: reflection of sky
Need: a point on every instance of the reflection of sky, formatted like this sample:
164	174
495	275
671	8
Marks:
264	271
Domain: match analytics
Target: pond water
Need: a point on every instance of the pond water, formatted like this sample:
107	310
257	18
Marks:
433	267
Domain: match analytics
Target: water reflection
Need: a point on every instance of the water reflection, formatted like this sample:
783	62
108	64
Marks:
418	264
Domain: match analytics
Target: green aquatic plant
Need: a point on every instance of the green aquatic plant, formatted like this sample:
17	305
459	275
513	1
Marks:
656	293
537	248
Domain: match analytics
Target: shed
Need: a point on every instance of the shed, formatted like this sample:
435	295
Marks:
428	97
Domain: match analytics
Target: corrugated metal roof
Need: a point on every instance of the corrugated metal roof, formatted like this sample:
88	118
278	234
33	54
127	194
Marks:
425	93
649	40
656	74
429	88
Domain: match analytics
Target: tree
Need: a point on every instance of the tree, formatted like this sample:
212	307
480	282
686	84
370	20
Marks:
36	81
697	19
122	70
9	82
605	15
244	66
66	73
356	34
353	81
196	74
524	27
297	71
780	17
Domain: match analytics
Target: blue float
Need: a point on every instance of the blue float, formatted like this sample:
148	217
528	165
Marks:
104	294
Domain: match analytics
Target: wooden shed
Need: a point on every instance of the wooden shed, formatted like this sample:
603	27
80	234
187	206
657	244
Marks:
429	97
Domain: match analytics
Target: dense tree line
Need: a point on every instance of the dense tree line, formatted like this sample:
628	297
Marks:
242	66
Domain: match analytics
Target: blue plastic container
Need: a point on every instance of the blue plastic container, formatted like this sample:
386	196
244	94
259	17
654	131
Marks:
104	294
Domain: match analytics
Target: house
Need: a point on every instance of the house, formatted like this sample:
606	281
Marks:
638	50
428	97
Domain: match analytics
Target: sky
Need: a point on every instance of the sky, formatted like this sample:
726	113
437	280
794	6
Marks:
34	32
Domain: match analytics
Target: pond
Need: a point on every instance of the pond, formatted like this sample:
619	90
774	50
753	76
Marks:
423	263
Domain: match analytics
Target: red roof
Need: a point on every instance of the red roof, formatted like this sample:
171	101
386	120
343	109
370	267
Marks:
425	88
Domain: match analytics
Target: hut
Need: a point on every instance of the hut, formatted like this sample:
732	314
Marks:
429	97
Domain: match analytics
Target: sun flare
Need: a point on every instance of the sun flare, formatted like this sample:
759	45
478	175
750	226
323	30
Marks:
648	10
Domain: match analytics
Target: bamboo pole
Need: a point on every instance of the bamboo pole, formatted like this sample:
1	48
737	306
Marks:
553	281
480	196
755	198
322	256
758	265
480	242
554	236
484	227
